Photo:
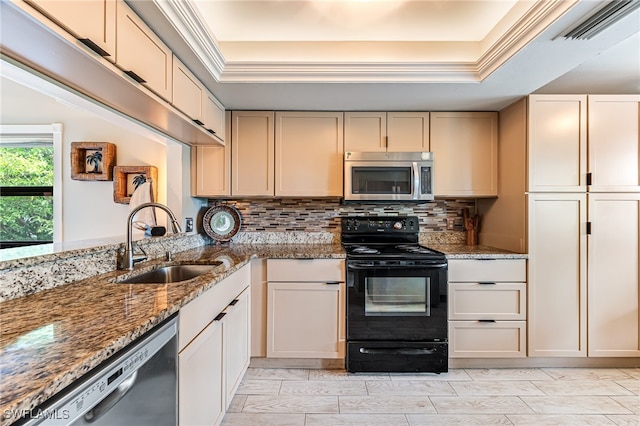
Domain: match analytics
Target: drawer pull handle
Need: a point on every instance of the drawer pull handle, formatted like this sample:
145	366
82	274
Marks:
488	321
220	316
135	76
91	45
334	282
233	302
198	122
487	283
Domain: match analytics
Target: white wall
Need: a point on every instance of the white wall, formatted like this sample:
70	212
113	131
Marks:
88	210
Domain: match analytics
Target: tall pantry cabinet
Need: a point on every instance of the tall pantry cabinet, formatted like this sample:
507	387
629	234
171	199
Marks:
583	216
581	204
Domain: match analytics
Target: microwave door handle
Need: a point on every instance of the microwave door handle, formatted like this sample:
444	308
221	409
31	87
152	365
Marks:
416	181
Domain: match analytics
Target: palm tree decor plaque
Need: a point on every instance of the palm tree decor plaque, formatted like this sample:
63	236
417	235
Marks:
92	160
127	178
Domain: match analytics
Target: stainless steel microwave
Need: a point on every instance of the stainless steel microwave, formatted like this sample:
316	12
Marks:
388	176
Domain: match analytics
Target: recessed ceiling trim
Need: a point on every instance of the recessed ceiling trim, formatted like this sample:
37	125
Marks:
530	25
351	72
189	24
600	20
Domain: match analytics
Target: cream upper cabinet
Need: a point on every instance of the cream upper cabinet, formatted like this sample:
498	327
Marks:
408	131
557	276
386	131
93	22
305	308
465	147
141	54
252	153
213	116
614	148
365	131
309	154
211	168
187	91
557	143
613	275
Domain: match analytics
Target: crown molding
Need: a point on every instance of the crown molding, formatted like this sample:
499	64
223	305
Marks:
339	72
186	19
530	25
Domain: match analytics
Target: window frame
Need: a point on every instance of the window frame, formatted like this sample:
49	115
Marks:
55	132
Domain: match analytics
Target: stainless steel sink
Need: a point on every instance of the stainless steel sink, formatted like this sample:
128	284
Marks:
171	274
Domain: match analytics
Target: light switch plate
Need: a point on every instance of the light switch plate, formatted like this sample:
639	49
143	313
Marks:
188	224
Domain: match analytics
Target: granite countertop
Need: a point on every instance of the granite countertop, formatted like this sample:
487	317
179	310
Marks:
462	251
51	338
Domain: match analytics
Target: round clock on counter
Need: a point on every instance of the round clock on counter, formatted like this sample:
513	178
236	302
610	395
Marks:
221	222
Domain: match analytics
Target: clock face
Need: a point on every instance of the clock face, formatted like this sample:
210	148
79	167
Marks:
221	222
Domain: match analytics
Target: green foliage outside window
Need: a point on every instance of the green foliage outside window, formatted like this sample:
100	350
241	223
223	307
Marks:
26	218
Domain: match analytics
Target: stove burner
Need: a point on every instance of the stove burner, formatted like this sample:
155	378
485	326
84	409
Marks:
365	250
414	249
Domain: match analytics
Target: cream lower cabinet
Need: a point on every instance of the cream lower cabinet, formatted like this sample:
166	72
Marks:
613	270
557	275
465	149
213	341
305	308
487	308
309	154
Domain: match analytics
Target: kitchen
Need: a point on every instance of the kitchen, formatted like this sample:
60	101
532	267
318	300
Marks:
177	193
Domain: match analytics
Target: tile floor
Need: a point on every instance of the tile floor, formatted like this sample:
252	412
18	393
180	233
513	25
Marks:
536	396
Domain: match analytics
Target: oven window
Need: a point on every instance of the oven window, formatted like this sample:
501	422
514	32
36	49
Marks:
381	180
397	295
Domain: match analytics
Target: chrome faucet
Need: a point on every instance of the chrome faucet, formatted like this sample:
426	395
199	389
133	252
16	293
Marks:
128	260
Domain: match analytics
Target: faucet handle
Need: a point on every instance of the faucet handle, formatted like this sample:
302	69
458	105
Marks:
168	256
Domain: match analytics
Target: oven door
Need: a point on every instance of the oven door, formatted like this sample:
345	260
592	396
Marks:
400	301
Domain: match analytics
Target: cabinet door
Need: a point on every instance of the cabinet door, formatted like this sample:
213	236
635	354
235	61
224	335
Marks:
237	332
252	153
200	388
309	154
465	147
557	275
211	168
93	20
614	256
213	116
557	143
305	320
365	131
614	148
408	131
187	91
142	53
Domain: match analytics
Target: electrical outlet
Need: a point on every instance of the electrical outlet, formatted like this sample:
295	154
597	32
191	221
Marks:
188	224
451	223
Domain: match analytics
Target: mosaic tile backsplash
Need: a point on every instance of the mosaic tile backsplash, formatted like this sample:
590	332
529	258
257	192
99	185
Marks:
323	215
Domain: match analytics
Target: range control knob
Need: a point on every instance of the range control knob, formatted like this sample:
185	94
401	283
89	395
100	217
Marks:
397	225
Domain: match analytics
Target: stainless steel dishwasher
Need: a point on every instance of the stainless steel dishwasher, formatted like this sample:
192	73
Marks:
138	387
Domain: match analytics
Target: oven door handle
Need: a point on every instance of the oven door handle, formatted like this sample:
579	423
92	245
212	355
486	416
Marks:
397	351
370	266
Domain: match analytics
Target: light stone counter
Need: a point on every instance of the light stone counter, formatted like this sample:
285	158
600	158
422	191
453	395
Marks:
53	337
462	251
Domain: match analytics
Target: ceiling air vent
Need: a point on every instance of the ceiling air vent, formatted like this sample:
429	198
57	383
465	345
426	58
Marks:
611	13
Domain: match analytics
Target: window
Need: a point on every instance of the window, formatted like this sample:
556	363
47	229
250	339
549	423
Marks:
27	179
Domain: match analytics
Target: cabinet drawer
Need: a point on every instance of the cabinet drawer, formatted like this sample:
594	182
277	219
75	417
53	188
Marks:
195	316
487	270
475	301
475	339
311	270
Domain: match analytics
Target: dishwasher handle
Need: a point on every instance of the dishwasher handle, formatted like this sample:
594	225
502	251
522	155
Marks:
112	399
